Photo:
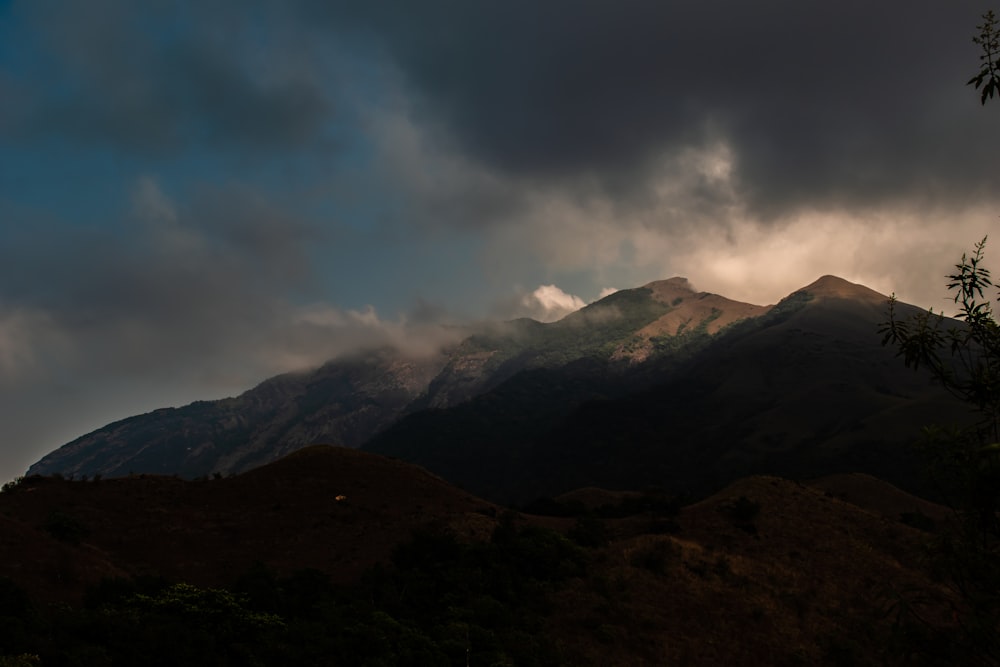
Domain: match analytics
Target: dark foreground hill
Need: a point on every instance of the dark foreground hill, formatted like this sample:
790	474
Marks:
405	569
334	509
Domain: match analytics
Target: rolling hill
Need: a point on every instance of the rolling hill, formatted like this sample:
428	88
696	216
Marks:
344	556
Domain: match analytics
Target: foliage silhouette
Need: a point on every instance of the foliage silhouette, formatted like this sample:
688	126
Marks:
963	355
987	81
65	527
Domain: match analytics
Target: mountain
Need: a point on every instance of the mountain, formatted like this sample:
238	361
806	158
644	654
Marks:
803	389
640	418
654	386
343	402
350	399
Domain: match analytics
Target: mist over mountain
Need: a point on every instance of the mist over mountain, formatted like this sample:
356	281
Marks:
654	386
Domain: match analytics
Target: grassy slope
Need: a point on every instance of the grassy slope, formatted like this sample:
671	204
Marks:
766	571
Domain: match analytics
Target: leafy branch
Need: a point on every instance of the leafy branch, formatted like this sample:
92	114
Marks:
964	359
987	81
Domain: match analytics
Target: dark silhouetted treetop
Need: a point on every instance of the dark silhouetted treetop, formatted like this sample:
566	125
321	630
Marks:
987	81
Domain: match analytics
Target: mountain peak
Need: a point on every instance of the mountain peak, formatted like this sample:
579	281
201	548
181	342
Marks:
667	290
677	283
829	286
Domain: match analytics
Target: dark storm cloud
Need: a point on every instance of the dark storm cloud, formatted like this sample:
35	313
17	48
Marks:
163	285
822	103
226	279
158	78
176	302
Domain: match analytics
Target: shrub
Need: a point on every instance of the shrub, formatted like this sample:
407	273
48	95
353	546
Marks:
65	527
744	510
589	531
742	513
655	555
12	484
23	660
918	520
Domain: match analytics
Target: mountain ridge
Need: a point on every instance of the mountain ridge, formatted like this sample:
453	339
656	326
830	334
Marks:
375	388
803	390
508	387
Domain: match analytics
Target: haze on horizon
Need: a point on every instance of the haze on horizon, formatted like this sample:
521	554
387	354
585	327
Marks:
196	196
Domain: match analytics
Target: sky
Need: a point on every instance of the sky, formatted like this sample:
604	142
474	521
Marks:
195	196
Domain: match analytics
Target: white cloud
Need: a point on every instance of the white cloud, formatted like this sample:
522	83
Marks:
548	303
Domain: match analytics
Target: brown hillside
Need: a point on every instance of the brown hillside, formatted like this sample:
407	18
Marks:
286	514
592	497
799	578
766	571
879	497
695	307
689	310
